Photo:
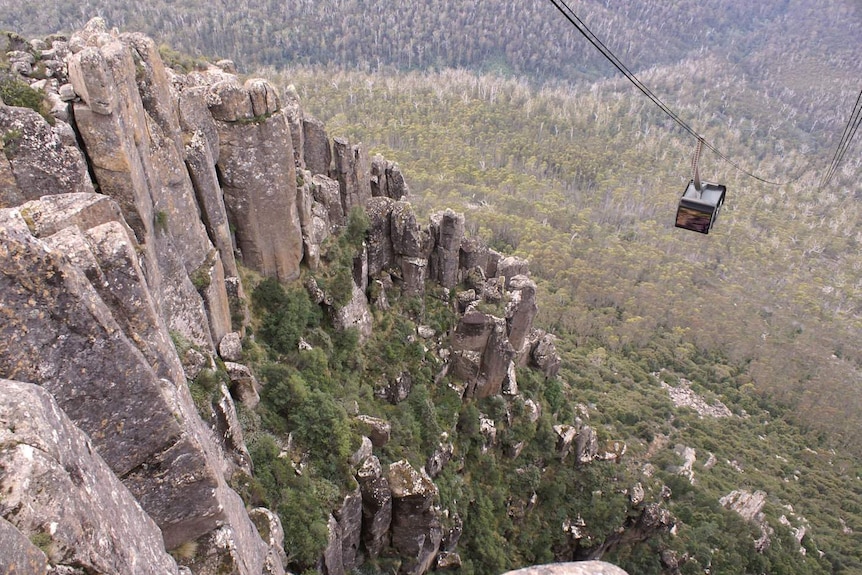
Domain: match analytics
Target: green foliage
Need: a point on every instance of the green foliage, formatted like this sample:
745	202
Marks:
285	314
205	390
179	61
335	276
16	92
160	220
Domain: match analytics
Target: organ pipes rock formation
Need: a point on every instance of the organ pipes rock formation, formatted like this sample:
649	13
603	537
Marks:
123	224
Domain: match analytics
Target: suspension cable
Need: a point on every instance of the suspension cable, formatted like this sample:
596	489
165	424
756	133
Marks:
579	24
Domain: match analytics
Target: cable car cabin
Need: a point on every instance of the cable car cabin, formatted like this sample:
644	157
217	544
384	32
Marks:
698	210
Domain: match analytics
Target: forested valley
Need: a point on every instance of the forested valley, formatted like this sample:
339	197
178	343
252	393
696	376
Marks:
504	112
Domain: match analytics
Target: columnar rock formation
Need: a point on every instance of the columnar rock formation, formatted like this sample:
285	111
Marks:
122	230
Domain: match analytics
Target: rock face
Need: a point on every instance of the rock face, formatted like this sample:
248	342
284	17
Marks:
416	530
376	506
57	490
257	175
41	163
128	395
122	231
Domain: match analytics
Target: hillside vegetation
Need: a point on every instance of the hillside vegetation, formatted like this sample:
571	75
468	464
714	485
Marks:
502	111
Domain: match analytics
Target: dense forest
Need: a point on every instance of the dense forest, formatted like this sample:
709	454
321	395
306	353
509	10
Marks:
503	111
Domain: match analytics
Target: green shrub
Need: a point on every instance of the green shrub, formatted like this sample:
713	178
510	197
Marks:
16	92
285	314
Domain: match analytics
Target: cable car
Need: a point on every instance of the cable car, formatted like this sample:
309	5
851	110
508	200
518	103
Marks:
701	201
699	206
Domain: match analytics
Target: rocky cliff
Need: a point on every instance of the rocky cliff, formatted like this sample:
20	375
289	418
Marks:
126	212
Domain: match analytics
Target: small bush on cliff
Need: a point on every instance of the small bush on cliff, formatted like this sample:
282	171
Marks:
15	92
335	277
285	314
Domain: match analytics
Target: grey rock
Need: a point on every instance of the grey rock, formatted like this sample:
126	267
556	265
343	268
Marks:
39	162
230	347
544	354
317	151
326	192
386	179
55	484
414	272
586	445
260	194
408	237
381	256
474	254
19	554
362	453
447	230
512	266
376	506
351	169
67	92
145	426
438	460
355	314
244	386
264	97
349	517
269	527
416	529
520	310
378	430
293	112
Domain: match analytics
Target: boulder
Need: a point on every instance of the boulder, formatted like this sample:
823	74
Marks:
378	430
512	266
576	568
244	386
230	347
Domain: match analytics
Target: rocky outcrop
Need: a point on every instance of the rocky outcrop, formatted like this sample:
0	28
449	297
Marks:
345	532
258	179
447	230
416	529
376	506
352	170
38	159
197	173
59	492
128	394
387	180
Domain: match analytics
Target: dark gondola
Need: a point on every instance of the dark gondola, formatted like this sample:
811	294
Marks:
698	209
701	201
